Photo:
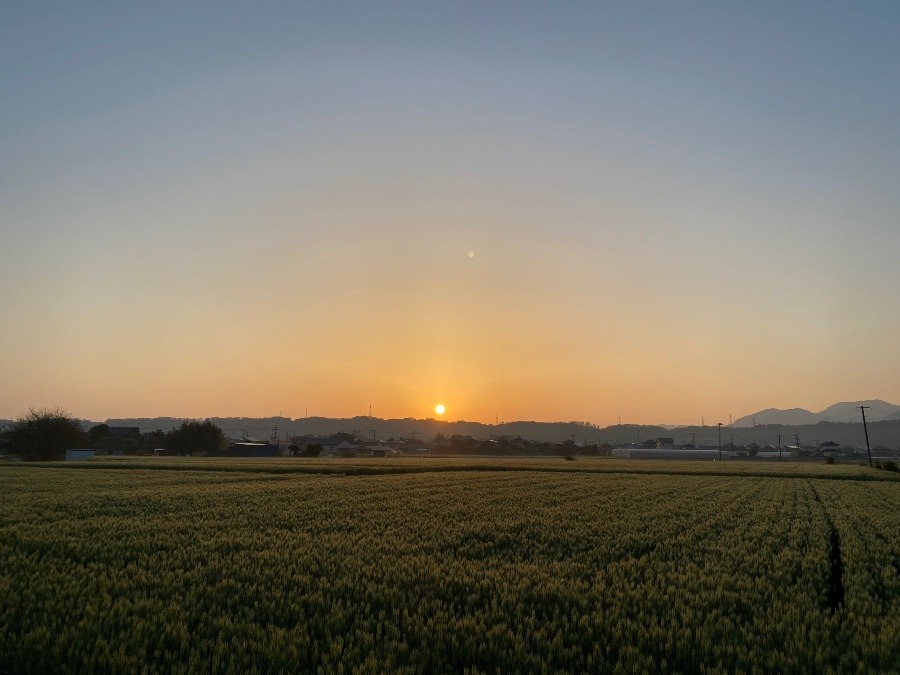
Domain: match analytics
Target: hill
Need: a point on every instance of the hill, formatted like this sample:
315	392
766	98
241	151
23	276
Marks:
839	412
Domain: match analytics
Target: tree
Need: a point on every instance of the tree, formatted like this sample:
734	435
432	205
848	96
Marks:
45	434
98	431
196	437
153	440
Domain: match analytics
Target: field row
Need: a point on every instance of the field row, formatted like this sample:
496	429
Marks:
390	465
521	571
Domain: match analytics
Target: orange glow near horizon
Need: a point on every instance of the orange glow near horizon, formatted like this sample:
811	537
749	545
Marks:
459	218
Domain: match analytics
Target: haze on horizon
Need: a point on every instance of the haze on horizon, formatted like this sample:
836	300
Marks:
531	210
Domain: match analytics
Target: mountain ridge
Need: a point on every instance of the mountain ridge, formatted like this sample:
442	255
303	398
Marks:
372	429
847	411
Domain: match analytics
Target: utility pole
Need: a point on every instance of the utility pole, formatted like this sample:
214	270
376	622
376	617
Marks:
779	447
862	409
720	441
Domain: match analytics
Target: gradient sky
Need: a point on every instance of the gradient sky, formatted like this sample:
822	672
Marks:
676	210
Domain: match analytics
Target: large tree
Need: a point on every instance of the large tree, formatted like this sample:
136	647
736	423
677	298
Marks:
195	437
45	434
98	432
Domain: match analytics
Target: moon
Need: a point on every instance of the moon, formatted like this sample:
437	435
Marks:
440	409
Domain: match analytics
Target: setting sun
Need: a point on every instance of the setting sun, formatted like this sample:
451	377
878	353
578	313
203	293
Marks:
439	408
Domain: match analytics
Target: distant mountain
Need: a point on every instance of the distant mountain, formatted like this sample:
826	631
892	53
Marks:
839	412
790	417
847	432
376	429
849	412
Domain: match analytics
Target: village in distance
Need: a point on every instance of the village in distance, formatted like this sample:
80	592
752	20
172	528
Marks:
831	435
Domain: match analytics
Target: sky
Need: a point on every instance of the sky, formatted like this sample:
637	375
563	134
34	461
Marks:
524	211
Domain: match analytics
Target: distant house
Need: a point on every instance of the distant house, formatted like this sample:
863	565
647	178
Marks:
344	448
79	454
376	451
665	443
331	445
830	449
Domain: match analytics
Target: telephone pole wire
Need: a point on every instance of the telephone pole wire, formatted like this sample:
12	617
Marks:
862	409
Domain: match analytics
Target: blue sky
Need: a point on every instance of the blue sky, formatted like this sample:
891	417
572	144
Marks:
675	210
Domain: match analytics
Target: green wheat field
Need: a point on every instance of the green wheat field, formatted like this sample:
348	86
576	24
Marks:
447	565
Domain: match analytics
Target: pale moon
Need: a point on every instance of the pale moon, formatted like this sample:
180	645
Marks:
439	408
471	254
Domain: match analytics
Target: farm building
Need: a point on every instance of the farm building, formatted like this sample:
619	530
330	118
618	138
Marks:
661	453
250	449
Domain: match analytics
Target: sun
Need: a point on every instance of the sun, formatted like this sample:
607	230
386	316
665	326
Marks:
440	409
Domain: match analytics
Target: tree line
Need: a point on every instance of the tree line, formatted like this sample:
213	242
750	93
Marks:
46	434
